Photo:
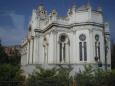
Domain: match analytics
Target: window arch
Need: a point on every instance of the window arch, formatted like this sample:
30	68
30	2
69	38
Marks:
63	47
82	47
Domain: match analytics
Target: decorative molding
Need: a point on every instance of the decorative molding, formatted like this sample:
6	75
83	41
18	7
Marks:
69	26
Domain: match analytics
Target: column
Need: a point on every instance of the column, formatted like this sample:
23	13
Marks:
67	53
35	60
30	59
54	47
28	52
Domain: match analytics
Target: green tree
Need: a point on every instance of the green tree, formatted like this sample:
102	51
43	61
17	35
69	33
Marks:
102	77
9	72
10	75
3	55
15	58
95	77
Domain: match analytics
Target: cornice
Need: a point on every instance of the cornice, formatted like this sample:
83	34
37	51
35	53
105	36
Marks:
69	26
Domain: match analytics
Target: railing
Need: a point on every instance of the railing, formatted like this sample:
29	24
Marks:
12	83
22	83
60	20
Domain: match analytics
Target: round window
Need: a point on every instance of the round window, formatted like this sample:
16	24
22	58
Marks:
63	38
82	37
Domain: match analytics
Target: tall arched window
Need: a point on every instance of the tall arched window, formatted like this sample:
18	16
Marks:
63	47
82	48
97	47
45	45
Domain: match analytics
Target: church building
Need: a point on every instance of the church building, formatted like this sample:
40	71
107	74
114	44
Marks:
80	38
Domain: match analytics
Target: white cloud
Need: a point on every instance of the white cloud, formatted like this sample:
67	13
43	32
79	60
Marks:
13	34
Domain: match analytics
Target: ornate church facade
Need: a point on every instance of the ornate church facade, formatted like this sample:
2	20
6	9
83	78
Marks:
80	38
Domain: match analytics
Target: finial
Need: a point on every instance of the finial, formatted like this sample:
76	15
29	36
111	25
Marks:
73	8
69	13
41	7
99	9
88	4
73	4
54	12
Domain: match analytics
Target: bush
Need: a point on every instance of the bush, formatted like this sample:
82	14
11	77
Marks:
49	77
96	77
10	75
60	77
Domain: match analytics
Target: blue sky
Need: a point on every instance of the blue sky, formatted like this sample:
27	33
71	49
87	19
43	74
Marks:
15	15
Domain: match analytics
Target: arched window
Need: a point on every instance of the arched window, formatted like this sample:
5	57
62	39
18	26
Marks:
64	44
97	47
83	47
45	45
80	50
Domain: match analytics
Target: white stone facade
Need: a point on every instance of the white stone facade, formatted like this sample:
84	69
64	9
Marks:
80	38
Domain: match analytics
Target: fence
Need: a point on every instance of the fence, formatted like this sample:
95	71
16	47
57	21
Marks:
12	83
35	83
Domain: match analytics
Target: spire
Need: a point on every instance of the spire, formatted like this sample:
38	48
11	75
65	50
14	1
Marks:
88	5
73	3
73	9
40	7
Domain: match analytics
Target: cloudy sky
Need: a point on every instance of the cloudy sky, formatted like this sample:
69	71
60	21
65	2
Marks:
15	15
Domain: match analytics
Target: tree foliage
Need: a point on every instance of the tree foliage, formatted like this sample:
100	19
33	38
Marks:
9	72
95	77
3	55
50	77
15	58
9	68
85	78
